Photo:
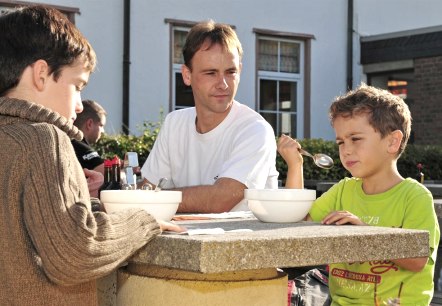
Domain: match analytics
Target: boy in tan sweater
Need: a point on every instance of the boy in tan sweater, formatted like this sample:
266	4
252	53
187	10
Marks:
52	246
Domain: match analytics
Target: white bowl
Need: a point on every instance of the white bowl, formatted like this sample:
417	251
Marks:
161	204
280	205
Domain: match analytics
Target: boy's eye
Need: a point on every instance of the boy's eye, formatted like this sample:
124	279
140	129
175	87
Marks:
339	142
355	139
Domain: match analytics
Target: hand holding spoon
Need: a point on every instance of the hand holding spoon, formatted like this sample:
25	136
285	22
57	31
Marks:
321	160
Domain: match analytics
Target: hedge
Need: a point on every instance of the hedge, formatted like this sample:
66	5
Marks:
430	156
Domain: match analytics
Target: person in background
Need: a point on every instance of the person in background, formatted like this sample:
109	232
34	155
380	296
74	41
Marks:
372	129
91	122
215	150
53	246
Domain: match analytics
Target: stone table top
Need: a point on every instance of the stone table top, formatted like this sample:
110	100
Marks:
272	245
438	207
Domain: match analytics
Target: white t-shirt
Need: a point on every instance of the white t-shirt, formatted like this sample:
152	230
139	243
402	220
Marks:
242	147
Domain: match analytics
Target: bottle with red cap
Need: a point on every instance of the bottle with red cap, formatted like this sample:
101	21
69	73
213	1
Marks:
107	174
115	169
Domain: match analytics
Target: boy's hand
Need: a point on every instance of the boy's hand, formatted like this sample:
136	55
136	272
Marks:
288	148
94	181
342	217
168	226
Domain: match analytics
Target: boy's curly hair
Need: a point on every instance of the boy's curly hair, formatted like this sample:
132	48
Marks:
387	112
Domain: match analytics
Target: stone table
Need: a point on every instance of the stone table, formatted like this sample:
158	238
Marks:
239	268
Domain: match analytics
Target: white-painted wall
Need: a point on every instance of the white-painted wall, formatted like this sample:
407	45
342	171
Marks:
101	21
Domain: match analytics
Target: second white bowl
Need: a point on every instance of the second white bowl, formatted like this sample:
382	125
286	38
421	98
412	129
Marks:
280	205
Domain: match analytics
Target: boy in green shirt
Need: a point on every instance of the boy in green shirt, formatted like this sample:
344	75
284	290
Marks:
372	128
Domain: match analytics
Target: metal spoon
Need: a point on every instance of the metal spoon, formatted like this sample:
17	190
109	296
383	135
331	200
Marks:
161	184
321	160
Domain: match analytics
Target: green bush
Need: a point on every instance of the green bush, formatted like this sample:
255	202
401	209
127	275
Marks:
429	156
110	145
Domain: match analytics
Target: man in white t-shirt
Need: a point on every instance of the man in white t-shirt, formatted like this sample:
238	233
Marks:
215	150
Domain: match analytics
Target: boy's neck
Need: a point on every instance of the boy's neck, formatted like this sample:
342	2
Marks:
381	183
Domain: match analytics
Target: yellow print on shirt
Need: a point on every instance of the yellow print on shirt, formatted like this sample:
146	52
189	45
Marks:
354	286
355	276
370	220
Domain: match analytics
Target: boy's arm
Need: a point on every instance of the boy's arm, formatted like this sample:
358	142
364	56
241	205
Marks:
288	148
411	264
74	244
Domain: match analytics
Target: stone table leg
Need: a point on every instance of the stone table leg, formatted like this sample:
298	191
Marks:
157	286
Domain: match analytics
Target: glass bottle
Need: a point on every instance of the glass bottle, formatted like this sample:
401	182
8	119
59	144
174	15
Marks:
107	174
420	175
115	183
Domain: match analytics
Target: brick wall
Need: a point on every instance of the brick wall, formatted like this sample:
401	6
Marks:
426	101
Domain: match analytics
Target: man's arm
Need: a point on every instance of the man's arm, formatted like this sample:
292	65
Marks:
222	196
100	168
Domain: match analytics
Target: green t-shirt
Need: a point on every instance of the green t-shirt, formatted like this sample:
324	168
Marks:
406	205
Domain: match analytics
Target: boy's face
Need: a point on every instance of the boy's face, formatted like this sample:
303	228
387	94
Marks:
361	149
63	95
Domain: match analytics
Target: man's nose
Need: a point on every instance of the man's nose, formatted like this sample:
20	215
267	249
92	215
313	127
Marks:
222	83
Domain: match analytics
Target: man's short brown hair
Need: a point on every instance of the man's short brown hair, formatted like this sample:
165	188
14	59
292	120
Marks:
214	33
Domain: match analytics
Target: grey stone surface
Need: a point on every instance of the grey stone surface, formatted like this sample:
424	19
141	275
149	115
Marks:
435	189
272	245
438	207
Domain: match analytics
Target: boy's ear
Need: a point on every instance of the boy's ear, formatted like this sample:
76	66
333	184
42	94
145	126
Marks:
395	139
40	74
186	73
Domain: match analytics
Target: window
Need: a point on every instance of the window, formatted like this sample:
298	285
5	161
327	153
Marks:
398	82
182	96
68	11
280	83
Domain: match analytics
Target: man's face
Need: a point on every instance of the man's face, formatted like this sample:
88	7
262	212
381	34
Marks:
94	129
214	78
64	95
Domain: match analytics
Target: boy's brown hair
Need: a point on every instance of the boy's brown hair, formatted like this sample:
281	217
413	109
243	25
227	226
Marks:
215	33
387	112
36	33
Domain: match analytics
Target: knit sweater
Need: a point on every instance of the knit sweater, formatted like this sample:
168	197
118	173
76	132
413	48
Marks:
52	247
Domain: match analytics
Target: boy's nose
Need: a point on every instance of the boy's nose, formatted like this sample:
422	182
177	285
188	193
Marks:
78	106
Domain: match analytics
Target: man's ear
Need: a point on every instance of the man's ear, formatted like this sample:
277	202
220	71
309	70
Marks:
186	73
395	139
89	123
40	74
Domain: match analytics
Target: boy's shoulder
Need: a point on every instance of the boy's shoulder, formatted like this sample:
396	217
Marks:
408	187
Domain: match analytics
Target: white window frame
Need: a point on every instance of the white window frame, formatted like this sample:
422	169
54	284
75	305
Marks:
288	77
176	67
